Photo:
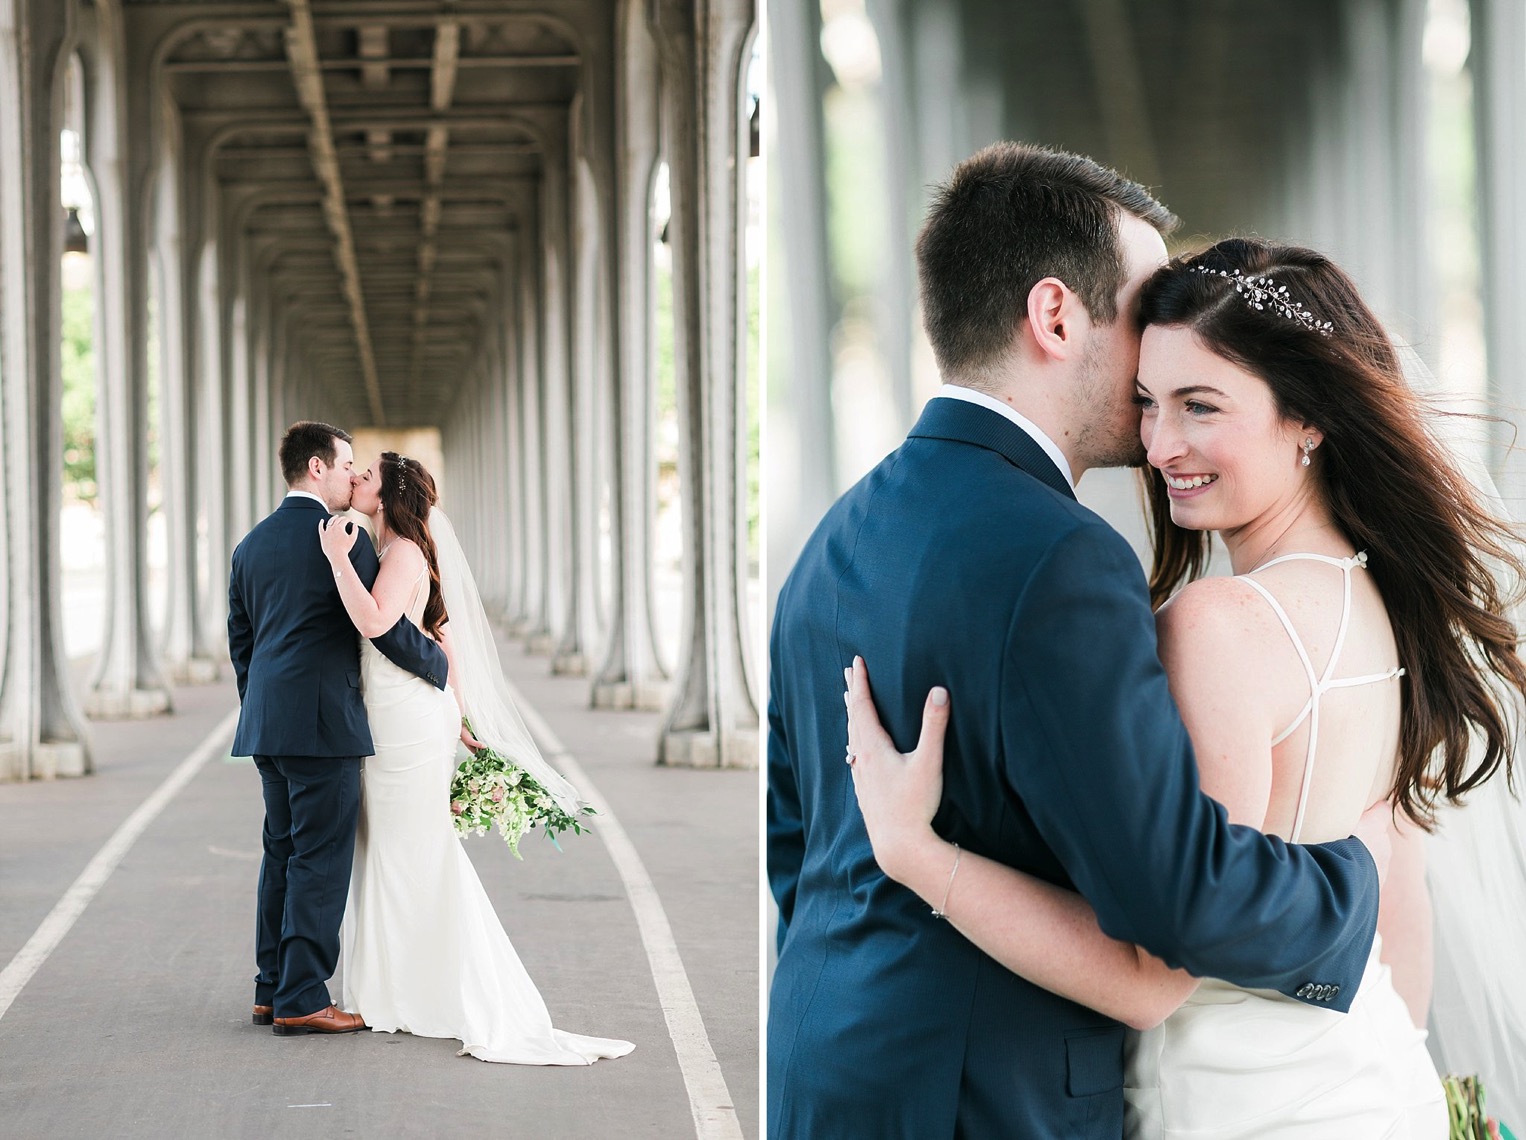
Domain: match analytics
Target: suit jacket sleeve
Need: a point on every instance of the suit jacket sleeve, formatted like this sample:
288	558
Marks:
786	823
1095	748
405	645
240	631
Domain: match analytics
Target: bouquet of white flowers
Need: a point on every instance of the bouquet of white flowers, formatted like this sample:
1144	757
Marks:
489	790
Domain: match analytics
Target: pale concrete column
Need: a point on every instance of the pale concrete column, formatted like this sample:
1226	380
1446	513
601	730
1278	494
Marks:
1367	234
42	732
211	456
557	467
237	457
494	464
259	397
713	719
534	622
281	379
1499	107
589	364
270	356
802	470
502	521
939	79
560	357
507	312
128	680
183	646
1416	294
469	466
240	412
897	296
631	673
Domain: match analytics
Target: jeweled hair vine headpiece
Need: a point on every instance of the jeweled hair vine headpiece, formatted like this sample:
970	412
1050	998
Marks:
1259	292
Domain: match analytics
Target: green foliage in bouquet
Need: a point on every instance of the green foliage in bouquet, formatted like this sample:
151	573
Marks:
1465	1110
489	790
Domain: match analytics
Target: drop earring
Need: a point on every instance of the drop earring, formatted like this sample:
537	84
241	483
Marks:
1308	446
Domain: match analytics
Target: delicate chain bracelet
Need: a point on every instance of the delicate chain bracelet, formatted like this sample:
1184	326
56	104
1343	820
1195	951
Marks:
942	911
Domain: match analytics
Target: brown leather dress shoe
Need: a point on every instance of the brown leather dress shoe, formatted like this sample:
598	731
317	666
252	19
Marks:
262	1014
329	1020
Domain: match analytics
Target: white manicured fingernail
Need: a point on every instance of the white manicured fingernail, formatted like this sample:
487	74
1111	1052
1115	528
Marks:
940	696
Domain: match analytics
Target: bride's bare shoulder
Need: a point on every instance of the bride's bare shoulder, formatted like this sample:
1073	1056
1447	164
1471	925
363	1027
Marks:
1221	616
1232	668
404	555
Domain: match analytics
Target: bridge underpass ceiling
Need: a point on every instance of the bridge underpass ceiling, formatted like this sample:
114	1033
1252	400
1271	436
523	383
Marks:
378	161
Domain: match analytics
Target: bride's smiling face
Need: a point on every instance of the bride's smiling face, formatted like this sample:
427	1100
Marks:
366	496
1213	431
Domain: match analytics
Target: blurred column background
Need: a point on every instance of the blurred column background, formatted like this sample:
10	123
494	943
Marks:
1387	133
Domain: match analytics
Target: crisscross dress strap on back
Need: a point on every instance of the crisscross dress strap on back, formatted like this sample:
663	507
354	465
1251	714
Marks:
413	599
1319	685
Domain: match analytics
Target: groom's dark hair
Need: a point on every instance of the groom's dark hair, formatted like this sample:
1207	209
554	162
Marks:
1010	216
305	439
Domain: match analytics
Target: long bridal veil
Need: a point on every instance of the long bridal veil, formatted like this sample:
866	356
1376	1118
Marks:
479	674
1476	860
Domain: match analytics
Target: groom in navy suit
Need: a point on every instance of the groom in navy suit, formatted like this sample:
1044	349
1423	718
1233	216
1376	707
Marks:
296	658
964	560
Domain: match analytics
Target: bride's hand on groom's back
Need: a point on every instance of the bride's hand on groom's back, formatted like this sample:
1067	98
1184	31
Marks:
897	793
338	536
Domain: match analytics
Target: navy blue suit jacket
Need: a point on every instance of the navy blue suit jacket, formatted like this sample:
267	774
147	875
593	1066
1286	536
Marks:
964	560
295	651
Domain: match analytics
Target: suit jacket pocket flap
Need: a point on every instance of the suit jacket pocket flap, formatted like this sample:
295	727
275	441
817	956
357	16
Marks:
1094	1061
353	679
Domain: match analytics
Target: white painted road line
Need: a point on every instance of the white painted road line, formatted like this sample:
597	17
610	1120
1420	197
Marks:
715	1116
45	940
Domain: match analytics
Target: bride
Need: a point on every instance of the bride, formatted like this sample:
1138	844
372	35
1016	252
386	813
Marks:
424	952
1360	644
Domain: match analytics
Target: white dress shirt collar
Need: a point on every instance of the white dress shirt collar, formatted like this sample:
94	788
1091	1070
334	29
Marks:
1051	449
307	495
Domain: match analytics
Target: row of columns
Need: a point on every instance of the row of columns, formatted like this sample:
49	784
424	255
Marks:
551	431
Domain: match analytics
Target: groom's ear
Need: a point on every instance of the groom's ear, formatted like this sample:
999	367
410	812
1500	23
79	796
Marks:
1052	313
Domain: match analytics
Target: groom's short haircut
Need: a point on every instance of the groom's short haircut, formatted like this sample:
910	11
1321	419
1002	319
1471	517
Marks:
305	439
1010	216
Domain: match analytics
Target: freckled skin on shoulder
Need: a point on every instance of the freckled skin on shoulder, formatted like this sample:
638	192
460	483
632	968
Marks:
1237	682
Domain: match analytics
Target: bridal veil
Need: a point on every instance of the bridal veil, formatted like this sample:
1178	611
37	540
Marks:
1476	857
479	675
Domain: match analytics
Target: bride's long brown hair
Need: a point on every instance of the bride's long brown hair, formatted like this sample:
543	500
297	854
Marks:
1437	553
407	492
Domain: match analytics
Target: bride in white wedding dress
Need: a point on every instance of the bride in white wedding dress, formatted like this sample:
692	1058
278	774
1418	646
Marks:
423	950
1362	651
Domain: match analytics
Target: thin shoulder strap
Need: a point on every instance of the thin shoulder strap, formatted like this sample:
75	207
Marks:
422	580
1318	685
1303	655
413	599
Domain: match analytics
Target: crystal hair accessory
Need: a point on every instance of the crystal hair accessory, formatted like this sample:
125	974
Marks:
1259	292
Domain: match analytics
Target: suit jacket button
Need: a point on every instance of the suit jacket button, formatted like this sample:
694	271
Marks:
1335	991
1305	990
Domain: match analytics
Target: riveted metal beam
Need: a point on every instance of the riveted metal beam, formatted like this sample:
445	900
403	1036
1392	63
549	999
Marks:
302	51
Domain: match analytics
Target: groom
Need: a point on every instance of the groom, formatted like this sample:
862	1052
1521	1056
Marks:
964	560
296	657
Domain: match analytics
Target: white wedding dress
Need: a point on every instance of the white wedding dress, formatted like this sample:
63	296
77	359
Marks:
423	950
1243	1064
